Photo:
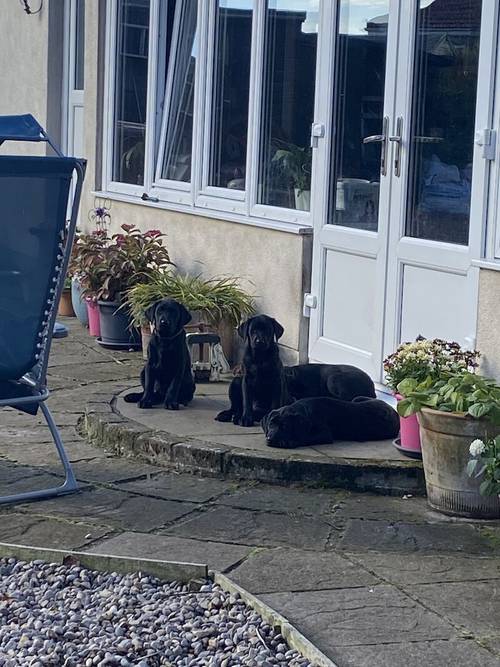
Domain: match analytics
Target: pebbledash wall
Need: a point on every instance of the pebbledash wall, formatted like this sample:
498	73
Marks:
274	265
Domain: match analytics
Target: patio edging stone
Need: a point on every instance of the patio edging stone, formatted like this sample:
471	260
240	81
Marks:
105	427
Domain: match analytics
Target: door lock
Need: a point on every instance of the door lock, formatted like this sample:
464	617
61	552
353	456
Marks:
317	132
398	140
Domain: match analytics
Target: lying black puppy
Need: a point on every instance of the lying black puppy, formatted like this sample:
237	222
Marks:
318	421
262	387
166	376
334	380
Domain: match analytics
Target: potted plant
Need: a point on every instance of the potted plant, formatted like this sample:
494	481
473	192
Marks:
87	256
65	306
219	303
131	257
420	360
453	410
485	464
296	162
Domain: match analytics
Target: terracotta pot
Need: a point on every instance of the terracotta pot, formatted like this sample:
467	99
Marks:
65	306
445	438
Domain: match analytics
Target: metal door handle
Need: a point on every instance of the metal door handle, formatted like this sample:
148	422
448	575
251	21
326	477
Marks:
380	139
398	140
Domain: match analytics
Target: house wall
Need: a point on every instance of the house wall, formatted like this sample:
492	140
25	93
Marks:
24	67
488	326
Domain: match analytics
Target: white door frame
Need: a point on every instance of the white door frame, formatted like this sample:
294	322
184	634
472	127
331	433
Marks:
391	250
72	98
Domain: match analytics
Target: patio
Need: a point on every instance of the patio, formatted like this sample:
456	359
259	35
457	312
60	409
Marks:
371	580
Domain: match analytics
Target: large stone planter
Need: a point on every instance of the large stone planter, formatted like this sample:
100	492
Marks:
445	439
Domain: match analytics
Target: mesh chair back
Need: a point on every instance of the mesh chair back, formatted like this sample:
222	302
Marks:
34	195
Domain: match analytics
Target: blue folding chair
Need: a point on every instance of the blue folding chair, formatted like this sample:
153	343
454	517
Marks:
35	247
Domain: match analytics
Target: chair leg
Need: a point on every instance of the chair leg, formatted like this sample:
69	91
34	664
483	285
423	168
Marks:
70	484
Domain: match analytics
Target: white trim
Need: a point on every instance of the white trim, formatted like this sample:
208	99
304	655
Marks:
225	216
489	264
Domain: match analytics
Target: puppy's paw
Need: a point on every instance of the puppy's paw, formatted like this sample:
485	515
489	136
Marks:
224	416
247	420
171	405
145	404
236	420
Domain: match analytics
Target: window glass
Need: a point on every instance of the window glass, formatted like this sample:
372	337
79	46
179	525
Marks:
79	44
179	98
291	36
230	94
129	122
443	116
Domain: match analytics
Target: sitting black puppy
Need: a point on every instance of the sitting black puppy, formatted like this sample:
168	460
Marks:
262	387
334	380
318	421
166	376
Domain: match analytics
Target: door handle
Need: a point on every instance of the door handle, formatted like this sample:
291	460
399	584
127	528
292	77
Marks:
398	140
380	139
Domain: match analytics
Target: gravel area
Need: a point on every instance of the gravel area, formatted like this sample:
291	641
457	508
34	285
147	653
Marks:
67	616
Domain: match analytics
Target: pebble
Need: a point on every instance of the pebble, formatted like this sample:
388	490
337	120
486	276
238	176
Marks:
74	617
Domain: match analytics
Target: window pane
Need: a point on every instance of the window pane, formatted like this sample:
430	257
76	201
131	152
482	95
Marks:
179	97
228	142
358	113
130	91
79	44
442	129
288	103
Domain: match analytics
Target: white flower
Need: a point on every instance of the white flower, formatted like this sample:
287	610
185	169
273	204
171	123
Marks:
477	447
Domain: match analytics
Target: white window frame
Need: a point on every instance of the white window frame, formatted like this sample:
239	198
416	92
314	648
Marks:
196	197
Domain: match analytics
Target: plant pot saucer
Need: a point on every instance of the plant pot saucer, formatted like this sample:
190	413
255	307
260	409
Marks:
118	346
411	453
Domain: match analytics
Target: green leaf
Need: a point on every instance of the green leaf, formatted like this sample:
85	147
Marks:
486	488
407	407
478	410
471	467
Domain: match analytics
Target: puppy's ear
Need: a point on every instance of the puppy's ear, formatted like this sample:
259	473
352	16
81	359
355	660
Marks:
278	329
184	315
243	328
151	311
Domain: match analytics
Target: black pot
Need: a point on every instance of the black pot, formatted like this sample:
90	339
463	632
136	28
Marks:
116	329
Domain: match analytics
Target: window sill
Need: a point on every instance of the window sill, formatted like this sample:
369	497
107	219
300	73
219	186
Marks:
276	225
490	264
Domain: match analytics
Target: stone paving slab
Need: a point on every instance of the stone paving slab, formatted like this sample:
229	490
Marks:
418	568
370	615
220	556
295	500
174	486
437	653
411	537
453	600
113	508
18	528
278	570
237	526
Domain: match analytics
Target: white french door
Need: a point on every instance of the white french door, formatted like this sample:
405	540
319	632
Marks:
398	181
73	111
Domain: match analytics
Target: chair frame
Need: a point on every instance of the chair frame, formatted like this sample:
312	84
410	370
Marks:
35	381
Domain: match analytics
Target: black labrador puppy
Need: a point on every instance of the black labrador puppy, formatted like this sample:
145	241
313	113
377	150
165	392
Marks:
318	421
334	380
262	387
166	377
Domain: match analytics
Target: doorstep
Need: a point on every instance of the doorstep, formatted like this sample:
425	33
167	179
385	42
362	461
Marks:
190	439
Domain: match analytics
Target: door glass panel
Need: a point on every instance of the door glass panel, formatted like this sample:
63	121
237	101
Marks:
358	113
228	141
291	36
442	126
79	44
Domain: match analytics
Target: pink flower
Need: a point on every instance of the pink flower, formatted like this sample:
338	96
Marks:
153	234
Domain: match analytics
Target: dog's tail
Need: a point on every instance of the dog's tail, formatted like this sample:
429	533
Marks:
134	397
